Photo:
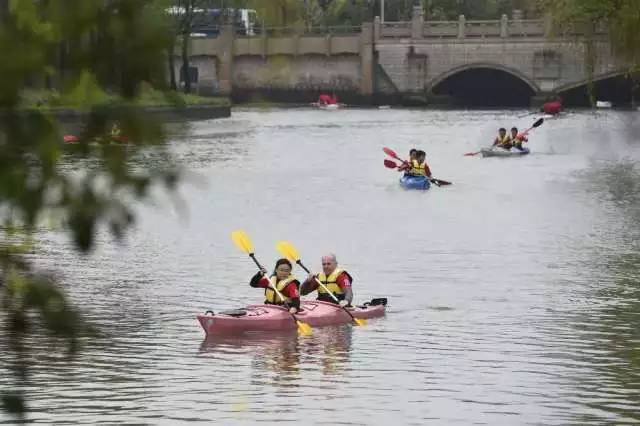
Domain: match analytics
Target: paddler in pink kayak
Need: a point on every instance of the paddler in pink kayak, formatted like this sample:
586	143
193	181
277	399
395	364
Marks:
337	280
284	282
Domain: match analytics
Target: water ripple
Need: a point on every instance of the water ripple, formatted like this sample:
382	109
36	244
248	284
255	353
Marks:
513	293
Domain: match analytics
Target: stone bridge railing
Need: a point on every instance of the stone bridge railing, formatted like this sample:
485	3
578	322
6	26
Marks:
418	28
462	28
290	31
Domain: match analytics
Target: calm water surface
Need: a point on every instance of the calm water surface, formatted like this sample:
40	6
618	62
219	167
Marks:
514	293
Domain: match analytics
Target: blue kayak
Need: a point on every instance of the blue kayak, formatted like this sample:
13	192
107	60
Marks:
414	182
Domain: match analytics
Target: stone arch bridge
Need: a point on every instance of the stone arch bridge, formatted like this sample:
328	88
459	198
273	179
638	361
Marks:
422	59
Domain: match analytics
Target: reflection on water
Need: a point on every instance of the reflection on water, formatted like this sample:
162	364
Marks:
611	331
332	348
514	293
327	350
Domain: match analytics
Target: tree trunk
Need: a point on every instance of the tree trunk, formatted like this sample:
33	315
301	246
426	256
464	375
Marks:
635	85
172	67
4	10
185	62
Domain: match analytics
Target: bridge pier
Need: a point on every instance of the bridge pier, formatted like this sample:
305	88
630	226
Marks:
367	68
225	60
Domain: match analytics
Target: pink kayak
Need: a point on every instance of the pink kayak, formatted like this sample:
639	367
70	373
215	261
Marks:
277	318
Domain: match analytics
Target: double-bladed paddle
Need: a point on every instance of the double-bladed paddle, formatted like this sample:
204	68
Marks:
241	239
286	249
536	124
391	165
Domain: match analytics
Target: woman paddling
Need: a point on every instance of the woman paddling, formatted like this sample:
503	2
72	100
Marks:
286	284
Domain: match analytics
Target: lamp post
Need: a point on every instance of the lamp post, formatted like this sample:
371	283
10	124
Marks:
382	11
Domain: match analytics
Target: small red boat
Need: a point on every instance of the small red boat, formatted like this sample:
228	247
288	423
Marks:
71	139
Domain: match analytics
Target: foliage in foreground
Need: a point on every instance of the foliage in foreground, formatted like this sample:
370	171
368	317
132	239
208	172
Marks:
97	56
621	17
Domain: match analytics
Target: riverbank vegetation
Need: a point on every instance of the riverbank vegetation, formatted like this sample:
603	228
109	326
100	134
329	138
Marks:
80	54
147	97
621	18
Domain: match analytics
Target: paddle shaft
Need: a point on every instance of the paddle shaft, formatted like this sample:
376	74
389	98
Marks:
538	123
438	182
299	262
527	131
395	156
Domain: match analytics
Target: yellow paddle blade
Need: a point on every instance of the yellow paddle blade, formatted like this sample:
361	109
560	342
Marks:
360	321
304	329
241	239
287	250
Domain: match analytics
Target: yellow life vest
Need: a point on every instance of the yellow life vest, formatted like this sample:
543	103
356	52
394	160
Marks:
503	141
272	297
417	169
330	283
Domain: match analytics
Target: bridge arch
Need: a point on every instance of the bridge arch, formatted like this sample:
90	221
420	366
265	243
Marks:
484	65
595	79
485	84
615	86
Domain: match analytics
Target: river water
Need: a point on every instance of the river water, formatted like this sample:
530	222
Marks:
514	294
